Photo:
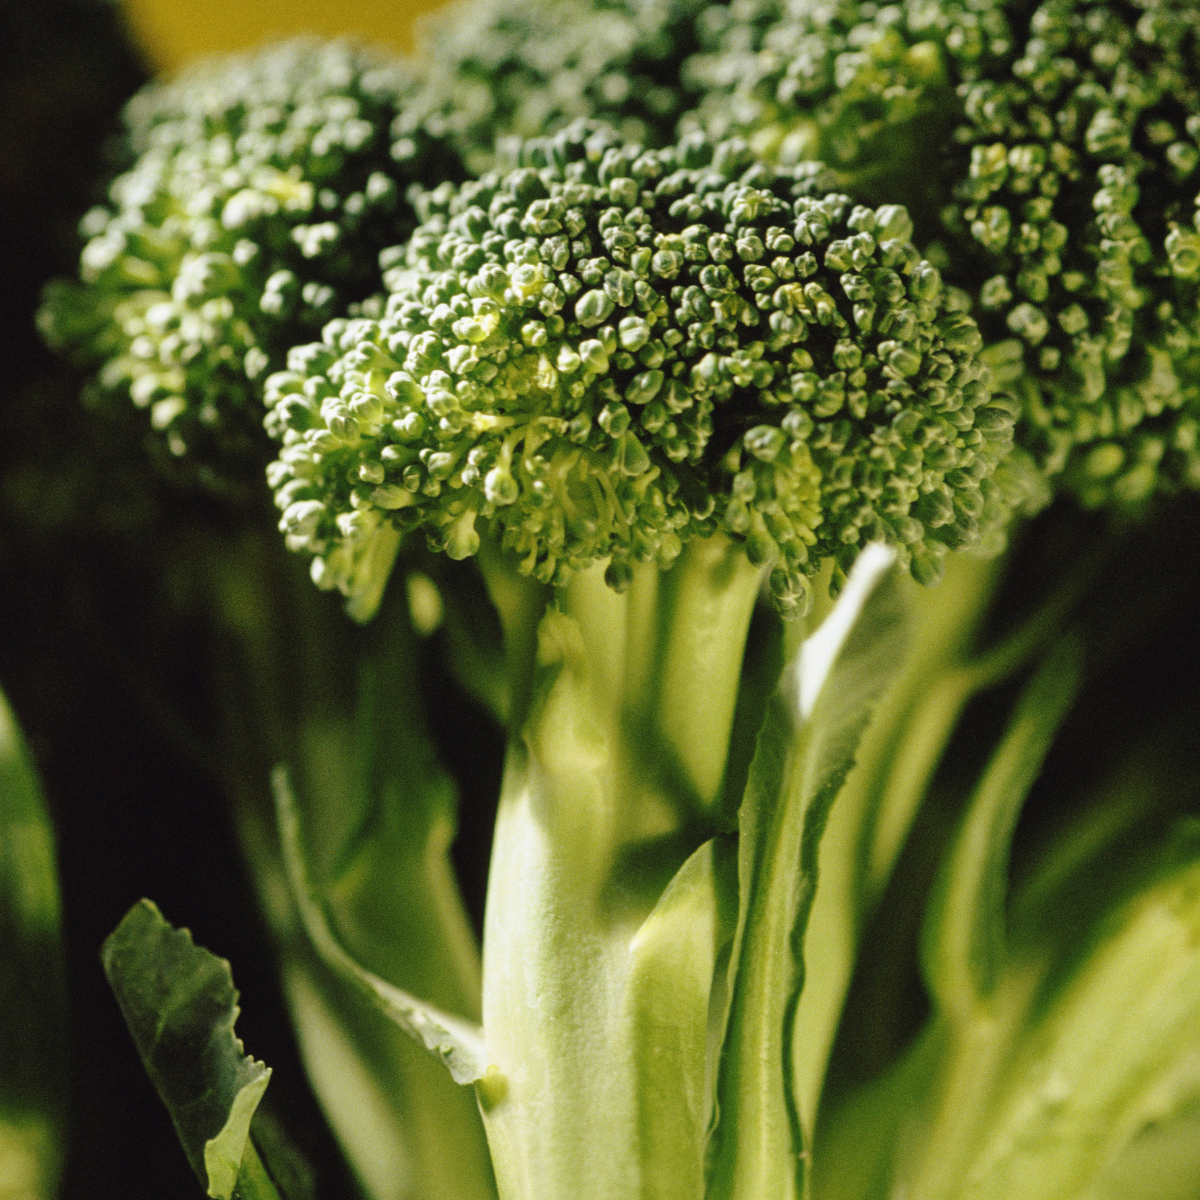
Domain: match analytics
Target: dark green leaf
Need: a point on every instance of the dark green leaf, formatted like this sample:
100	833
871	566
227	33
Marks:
963	943
180	1005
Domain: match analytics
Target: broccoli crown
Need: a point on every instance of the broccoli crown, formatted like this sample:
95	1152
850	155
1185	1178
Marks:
1053	149
529	67
609	350
262	193
1074	189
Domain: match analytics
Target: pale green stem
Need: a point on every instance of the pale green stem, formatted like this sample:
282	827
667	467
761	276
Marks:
605	910
896	761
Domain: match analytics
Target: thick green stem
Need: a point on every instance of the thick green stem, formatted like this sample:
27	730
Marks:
609	898
813	725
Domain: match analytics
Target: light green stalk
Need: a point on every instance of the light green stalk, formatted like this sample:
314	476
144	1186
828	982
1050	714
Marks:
611	889
813	725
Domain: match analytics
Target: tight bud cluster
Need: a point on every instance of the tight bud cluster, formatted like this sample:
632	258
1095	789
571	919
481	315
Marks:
610	350
1075	203
1053	150
262	194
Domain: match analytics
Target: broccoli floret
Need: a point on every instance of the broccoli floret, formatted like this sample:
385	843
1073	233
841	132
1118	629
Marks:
609	351
254	213
1053	152
1075	204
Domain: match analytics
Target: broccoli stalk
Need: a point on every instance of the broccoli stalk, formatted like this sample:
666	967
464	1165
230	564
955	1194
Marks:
344	712
1017	1080
648	408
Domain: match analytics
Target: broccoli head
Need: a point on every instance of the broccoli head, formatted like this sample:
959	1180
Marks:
254	212
1052	151
608	350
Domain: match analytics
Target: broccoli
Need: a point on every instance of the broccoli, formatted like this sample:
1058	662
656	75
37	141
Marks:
682	344
733	346
694	374
522	68
1049	153
252	213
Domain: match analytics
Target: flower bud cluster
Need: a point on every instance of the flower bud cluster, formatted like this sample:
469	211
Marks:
1078	171
525	68
863	87
262	194
609	350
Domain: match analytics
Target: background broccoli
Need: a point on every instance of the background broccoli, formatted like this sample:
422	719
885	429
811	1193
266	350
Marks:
1048	156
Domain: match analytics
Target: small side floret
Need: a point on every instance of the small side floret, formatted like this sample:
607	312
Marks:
262	192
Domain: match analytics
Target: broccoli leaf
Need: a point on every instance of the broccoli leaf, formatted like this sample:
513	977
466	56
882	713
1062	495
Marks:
32	1034
457	1042
964	937
807	745
180	1005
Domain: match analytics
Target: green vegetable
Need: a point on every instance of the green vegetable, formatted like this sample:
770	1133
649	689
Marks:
709	408
682	345
180	1005
1052	151
253	212
596	409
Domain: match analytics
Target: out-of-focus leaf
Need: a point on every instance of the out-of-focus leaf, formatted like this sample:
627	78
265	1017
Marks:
455	1041
32	1007
963	944
180	1005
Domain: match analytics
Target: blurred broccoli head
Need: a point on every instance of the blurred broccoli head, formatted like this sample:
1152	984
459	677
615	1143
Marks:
866	88
529	67
610	350
262	191
1053	149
